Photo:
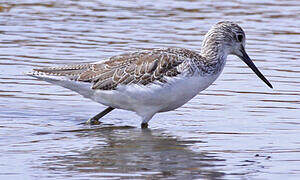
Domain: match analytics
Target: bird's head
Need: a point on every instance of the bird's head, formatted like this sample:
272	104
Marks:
230	38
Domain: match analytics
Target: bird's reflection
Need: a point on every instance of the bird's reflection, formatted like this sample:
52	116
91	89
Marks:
130	152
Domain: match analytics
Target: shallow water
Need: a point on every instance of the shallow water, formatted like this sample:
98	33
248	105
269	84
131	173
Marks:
237	128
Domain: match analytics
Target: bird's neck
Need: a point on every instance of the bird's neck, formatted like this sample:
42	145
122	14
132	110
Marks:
215	54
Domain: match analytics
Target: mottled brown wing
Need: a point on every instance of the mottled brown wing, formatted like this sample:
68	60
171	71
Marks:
141	67
136	68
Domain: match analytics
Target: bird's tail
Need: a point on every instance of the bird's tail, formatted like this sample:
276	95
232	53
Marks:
65	76
71	72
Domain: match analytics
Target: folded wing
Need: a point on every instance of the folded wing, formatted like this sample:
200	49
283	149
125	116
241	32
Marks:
141	67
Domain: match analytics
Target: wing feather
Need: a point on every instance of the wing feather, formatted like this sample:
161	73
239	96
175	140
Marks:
142	67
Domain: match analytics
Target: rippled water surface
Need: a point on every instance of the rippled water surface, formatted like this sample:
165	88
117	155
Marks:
237	128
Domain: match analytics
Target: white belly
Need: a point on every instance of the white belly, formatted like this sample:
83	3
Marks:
143	100
156	97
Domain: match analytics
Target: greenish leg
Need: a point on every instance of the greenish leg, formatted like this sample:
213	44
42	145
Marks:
144	125
95	120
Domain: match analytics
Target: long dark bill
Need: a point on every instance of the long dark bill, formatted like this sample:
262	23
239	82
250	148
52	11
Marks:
249	62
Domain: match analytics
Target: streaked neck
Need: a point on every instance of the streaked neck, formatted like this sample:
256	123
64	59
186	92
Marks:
215	54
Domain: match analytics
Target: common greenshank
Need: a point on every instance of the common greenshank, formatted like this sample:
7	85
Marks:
152	81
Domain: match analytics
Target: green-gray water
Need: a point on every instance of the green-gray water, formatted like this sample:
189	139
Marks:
237	128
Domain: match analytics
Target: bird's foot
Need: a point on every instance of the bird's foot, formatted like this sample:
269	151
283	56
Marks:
144	125
92	121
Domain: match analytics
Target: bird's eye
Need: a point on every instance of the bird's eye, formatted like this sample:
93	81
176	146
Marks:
240	38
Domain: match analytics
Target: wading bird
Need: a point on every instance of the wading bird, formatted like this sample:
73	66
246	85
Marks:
152	81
